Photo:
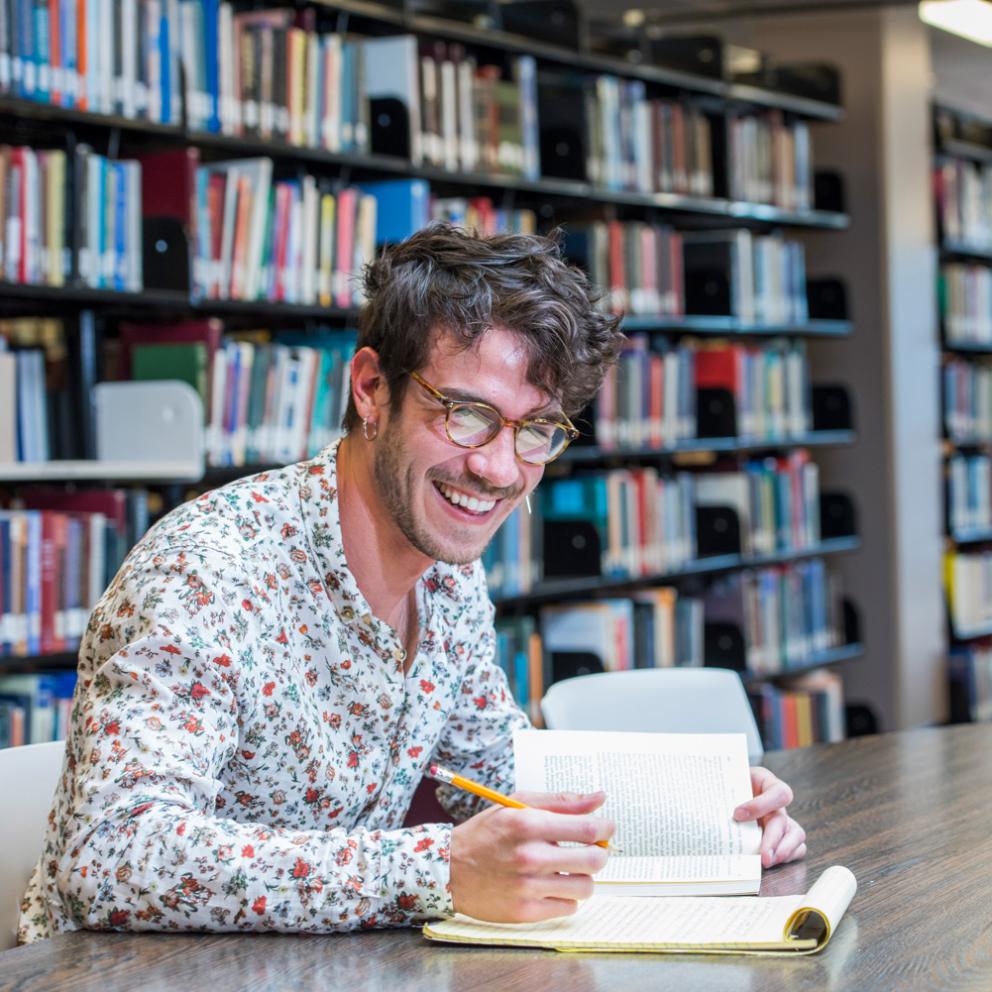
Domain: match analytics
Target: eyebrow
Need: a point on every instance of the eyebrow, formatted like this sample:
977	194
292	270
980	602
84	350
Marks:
550	411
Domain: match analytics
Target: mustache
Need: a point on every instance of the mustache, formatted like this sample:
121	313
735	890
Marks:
479	488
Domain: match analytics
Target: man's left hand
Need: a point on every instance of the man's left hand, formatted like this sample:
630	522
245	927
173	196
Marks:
782	839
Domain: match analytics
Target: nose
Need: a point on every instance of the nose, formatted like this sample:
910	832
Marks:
496	462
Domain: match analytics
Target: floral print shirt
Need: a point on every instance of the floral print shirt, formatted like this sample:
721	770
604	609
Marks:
245	741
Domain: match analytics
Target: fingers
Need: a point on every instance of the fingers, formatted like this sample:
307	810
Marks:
536	910
542	858
770	794
782	840
535	824
563	802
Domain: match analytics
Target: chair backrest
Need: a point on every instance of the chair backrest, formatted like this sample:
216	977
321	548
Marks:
659	700
28	777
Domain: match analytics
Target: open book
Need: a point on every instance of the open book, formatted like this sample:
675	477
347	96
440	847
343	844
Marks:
672	797
742	925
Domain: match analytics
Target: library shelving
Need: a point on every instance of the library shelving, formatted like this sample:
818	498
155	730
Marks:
787	201
963	195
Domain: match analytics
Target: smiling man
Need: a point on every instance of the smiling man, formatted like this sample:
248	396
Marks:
264	683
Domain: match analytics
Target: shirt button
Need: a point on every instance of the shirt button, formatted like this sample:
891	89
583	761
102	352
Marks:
399	654
347	613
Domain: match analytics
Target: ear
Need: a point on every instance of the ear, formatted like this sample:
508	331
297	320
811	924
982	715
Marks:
368	384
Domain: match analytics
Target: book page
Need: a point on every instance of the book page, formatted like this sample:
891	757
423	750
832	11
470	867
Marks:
678	869
669	794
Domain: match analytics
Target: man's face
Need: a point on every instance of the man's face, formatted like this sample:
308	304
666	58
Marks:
421	473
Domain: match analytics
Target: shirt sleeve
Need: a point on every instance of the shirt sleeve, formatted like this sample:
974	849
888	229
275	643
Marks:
140	845
477	740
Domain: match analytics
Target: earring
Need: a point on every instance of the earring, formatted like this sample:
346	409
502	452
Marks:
365	429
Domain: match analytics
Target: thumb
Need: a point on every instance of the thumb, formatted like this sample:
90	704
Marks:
563	802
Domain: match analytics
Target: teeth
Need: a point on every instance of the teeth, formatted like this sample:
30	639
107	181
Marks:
470	503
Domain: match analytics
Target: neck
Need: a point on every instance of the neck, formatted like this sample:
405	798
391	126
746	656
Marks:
385	565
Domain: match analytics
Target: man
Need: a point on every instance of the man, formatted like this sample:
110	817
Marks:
264	683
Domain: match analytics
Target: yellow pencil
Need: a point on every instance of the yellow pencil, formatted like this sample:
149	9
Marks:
478	789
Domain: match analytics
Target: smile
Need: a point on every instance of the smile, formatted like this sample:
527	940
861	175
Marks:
465	502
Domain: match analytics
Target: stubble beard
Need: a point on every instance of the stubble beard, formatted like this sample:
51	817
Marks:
396	488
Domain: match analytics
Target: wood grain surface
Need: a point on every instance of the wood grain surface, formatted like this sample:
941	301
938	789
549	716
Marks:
910	813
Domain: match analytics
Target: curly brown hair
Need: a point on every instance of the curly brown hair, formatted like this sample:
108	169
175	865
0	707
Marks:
444	279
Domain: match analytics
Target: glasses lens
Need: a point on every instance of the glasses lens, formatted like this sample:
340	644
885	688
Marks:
472	425
540	443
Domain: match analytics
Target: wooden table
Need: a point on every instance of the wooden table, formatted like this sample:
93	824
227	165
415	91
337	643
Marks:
909	813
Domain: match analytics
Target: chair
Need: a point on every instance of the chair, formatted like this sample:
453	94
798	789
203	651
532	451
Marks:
28	776
673	700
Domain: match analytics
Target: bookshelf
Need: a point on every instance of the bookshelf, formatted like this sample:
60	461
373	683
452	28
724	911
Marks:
555	198
963	159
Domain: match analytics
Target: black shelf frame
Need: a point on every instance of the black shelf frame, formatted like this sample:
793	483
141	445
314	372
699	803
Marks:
957	250
556	589
971	535
731	326
967	348
592	454
815	660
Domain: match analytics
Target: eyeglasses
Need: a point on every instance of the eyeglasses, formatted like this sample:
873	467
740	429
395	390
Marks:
470	424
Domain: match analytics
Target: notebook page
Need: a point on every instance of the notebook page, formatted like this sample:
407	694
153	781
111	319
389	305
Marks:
669	794
629	921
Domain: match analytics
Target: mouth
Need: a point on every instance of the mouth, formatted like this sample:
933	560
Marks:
464	505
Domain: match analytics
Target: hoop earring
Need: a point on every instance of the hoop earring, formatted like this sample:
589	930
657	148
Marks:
365	429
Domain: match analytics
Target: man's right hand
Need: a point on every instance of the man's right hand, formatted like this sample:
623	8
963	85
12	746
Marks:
506	866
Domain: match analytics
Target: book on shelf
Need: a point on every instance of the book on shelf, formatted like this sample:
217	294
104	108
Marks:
964	203
800	924
47	412
969	669
520	653
58	552
770	160
651	628
638	265
299	241
808	709
784	615
480	213
769	387
967	399
671	797
969	493
35	709
757	278
968	587
965	296
112	58
512	560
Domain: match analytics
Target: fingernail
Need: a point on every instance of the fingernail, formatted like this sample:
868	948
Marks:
740	813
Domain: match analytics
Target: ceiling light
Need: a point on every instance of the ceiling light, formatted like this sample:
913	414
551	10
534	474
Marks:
971	19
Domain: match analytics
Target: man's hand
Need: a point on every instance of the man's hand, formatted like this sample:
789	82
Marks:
506	866
782	839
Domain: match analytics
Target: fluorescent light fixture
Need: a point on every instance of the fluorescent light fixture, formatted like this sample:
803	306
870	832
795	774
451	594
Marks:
971	19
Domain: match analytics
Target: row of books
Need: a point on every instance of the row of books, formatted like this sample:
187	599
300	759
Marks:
777	501
645	145
770	160
965	296
786	613
35	709
520	653
649	398
514	558
964	202
265	399
967	400
809	711
968	585
63	217
764	274
969	493
969	668
58	552
652	628
294	240
99	55
477	213
638	266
